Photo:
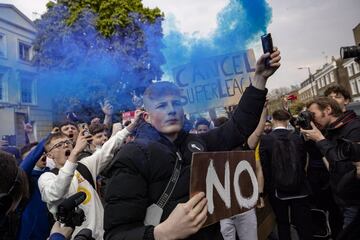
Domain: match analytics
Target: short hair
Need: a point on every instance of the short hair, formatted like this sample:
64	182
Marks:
52	137
67	123
12	176
97	128
160	89
324	102
338	89
202	121
281	115
27	148
220	121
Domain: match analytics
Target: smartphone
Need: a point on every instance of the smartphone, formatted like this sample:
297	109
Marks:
10	140
85	127
6	139
267	44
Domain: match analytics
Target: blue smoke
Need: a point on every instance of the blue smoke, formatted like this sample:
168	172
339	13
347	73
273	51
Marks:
80	68
238	24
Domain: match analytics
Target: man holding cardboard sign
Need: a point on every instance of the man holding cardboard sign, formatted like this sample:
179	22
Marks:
148	193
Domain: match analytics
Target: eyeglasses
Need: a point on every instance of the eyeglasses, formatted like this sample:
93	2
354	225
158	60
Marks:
61	144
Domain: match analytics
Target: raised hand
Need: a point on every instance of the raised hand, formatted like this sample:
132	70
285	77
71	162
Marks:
81	143
261	68
107	108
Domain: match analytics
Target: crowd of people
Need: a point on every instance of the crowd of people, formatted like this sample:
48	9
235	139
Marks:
136	176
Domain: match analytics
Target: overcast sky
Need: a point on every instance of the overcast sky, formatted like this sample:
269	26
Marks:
307	31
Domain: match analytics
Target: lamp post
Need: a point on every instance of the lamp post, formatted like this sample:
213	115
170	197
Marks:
311	78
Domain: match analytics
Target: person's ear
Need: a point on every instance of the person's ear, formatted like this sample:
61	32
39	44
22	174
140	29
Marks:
146	117
328	110
346	102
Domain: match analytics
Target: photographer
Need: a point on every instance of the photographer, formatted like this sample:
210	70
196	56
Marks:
328	116
340	95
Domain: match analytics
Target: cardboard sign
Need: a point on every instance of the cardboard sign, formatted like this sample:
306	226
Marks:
215	82
228	179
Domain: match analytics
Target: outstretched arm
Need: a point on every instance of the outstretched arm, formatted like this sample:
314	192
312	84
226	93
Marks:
246	116
254	138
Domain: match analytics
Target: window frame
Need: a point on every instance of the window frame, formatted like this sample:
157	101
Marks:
350	70
30	51
3	44
353	86
33	99
4	74
357	81
356	67
332	77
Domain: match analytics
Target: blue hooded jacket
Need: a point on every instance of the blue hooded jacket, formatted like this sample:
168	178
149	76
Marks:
35	217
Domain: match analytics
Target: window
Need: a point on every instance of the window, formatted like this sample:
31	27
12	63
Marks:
353	87
332	77
356	67
327	79
350	70
24	52
2	45
2	87
358	82
27	90
323	82
318	83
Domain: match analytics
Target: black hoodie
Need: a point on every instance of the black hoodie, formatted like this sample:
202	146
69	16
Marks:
342	171
142	169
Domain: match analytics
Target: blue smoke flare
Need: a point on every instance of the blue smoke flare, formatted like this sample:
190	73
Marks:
80	67
239	23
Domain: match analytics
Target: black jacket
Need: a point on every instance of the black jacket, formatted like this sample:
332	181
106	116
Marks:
345	186
142	169
266	154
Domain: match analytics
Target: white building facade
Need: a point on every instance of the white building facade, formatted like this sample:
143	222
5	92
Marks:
20	99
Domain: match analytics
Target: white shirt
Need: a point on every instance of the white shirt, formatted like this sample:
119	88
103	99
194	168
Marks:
55	188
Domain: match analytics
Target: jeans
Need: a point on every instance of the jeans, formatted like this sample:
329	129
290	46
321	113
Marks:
244	225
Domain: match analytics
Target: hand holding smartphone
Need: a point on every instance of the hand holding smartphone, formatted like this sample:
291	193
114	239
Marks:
268	46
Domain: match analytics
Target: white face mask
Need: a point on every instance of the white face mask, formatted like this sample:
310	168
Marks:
50	163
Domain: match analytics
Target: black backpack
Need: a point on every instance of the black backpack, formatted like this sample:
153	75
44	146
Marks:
286	167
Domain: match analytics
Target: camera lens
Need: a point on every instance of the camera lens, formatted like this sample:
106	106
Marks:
350	52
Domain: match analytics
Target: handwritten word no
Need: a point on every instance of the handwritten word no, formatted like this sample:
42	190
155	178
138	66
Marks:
212	180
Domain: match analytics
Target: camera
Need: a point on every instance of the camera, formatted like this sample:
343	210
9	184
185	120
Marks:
267	45
84	234
68	211
348	150
350	52
303	120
